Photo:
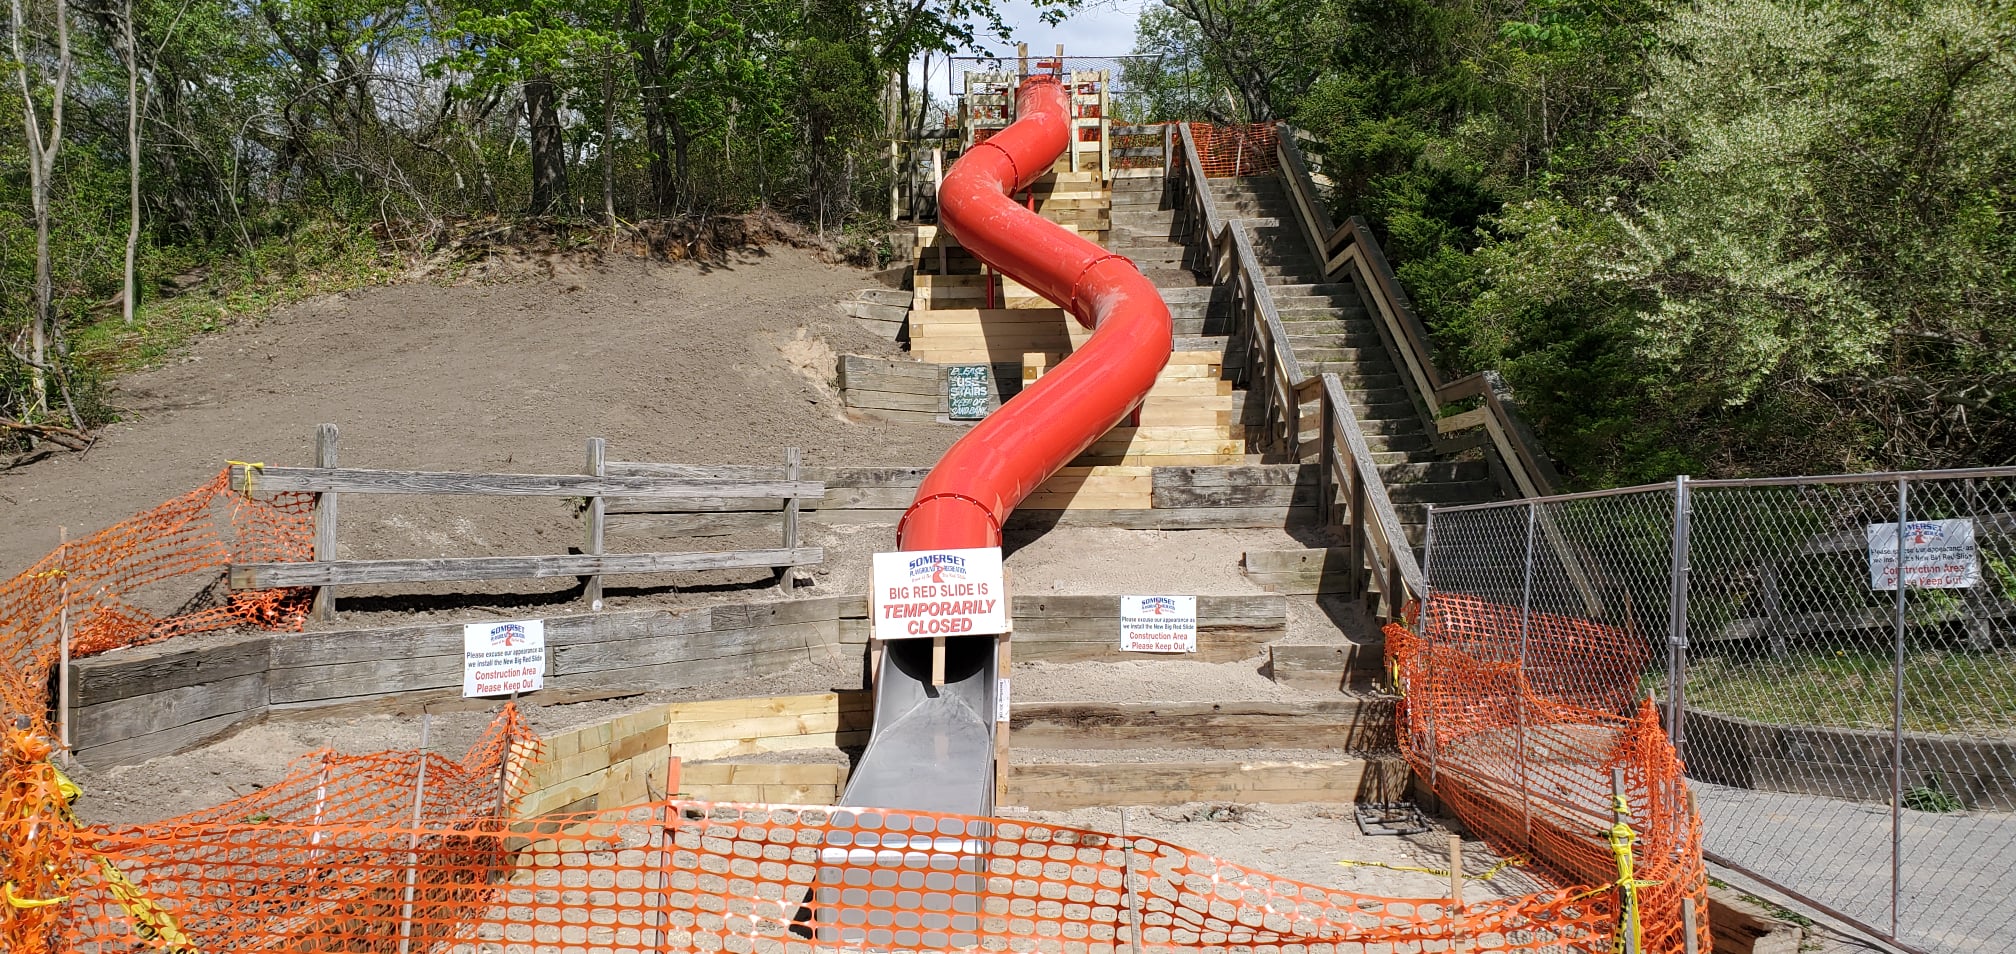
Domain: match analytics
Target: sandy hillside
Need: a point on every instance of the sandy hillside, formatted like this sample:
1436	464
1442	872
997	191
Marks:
682	363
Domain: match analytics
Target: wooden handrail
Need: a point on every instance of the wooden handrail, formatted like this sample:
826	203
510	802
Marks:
1376	530
1378	538
1350	247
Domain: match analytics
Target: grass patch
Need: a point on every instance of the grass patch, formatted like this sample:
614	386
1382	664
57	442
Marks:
317	259
1944	691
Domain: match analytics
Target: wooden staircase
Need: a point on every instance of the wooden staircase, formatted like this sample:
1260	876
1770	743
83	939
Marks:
1331	330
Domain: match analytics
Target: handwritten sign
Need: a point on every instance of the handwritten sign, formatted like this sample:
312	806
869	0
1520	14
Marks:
1938	555
969	391
920	593
1158	624
501	658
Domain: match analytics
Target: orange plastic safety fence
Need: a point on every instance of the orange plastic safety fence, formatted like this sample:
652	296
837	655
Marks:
1236	150
1525	754
678	876
323	860
154	575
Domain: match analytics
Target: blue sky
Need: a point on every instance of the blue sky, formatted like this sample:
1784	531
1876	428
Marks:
1098	28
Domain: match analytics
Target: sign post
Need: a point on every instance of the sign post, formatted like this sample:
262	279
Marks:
503	658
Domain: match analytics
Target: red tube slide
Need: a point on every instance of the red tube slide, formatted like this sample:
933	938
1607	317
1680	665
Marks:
980	480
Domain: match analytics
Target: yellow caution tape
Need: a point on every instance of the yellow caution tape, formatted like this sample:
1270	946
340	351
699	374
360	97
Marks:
1516	861
251	468
150	921
1621	837
16	901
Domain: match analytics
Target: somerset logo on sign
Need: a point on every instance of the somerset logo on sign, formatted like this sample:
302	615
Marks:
1158	624
502	658
920	593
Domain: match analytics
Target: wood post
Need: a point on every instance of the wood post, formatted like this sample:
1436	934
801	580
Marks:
1359	537
1022	65
1326	491
793	461
63	633
598	466
1002	687
1456	871
937	660
324	607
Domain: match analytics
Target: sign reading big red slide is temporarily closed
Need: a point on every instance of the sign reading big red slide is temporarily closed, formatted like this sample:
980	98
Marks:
501	658
919	593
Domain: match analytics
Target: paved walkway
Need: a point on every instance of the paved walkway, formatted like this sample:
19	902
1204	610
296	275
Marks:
1959	886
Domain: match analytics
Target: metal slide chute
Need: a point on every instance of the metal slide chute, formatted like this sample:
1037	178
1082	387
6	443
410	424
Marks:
933	746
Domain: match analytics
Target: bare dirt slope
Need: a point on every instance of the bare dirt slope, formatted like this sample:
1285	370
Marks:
684	363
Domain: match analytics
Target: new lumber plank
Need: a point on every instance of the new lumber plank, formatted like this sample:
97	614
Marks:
262	576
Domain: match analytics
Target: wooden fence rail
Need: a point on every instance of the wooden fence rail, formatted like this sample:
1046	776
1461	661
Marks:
1351	250
604	480
1381	558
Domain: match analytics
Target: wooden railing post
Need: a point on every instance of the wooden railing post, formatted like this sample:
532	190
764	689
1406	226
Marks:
598	466
792	460
1326	496
324	607
1361	553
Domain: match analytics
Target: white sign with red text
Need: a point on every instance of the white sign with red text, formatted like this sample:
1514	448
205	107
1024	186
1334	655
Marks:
1158	624
502	658
921	593
1938	555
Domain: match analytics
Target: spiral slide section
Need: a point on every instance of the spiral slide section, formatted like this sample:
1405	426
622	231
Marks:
932	747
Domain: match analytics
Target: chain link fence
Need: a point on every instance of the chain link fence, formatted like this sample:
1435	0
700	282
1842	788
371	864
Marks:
1849	742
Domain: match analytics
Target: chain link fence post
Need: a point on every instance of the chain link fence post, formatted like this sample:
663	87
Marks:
1897	666
1676	619
1519	685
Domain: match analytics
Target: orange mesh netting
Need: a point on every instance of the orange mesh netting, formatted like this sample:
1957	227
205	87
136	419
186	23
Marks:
335	857
154	575
1233	151
684	876
1525	755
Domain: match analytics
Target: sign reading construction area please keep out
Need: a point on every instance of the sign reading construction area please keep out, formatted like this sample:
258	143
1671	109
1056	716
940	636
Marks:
920	593
1158	624
1938	555
502	658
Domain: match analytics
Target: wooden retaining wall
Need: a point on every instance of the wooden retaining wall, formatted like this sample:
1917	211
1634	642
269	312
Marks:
1167	497
624	761
137	704
1847	763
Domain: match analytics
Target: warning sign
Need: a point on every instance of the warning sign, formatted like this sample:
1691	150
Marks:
1158	624
920	593
501	658
1938	555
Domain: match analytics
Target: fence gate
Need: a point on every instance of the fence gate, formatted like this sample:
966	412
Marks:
1849	741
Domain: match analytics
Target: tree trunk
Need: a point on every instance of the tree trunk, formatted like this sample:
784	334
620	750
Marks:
680	161
549	148
41	167
609	145
132	165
